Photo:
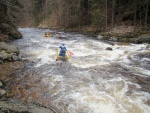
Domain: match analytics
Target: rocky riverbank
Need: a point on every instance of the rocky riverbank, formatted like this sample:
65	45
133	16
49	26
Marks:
126	34
10	62
17	106
8	80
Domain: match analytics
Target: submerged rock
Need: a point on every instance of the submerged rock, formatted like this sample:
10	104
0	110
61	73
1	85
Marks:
109	48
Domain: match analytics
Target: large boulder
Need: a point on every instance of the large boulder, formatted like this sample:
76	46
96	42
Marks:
4	55
10	31
8	52
9	48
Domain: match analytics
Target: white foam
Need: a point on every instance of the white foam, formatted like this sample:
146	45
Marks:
92	93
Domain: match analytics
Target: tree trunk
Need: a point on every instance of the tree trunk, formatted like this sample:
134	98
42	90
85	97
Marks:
146	13
106	17
113	12
135	9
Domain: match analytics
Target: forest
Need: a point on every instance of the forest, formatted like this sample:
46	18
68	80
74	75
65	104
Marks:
100	14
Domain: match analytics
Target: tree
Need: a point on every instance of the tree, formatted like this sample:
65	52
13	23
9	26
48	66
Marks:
135	12
113	12
106	17
146	12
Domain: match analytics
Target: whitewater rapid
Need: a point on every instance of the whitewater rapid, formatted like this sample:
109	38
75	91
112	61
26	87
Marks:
94	80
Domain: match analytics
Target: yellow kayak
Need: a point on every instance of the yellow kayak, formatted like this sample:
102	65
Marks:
58	57
47	35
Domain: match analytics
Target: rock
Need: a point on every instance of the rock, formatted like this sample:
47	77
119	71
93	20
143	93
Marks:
1	62
109	48
10	31
14	57
4	38
113	38
9	48
4	55
100	37
1	84
8	57
2	92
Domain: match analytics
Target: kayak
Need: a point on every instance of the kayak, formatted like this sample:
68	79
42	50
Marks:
47	35
65	56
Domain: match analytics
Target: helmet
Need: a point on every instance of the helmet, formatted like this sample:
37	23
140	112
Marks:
63	44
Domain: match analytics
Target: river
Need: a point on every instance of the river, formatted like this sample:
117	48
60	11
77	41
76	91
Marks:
94	80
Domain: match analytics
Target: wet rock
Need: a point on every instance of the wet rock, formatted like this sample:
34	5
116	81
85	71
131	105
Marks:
100	37
9	48
109	48
2	92
8	52
14	57
4	55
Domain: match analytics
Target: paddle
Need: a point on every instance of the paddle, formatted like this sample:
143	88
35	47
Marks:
71	53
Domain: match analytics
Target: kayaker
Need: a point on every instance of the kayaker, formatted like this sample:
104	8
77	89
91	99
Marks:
62	49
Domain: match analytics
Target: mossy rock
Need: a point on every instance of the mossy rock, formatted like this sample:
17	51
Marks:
4	38
7	29
10	31
141	40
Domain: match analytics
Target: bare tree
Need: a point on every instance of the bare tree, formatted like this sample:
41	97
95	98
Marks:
135	12
113	13
146	12
106	16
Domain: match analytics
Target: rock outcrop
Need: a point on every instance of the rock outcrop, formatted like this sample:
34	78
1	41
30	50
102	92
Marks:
8	52
7	29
